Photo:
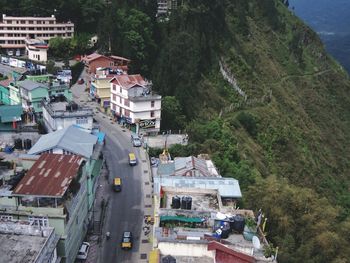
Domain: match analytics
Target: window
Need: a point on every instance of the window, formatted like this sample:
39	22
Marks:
126	103
81	120
152	114
114	87
30	22
120	90
6	217
127	113
114	97
38	221
152	104
120	100
9	21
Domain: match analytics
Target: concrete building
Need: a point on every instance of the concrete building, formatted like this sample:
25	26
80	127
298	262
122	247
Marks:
71	140
36	49
100	87
59	114
95	60
165	6
188	231
52	193
32	93
5	92
14	31
23	241
133	102
10	117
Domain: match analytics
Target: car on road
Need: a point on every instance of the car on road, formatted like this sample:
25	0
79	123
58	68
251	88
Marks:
83	251
136	141
117	184
126	242
81	81
132	159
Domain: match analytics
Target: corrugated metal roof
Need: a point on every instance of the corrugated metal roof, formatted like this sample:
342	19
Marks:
9	113
50	175
31	85
129	81
71	139
227	187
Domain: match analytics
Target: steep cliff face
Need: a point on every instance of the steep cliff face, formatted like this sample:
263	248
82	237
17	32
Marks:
272	108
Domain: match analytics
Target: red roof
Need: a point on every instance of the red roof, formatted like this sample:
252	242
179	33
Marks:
129	81
5	82
225	254
50	175
92	57
120	58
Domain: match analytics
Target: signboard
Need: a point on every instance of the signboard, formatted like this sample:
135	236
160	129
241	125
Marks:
13	62
146	124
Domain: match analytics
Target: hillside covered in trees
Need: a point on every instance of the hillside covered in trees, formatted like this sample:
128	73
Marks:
285	135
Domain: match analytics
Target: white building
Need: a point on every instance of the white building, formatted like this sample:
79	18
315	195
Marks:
36	49
14	30
133	102
62	114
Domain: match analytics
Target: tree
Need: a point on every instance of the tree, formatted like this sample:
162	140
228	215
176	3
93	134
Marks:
172	117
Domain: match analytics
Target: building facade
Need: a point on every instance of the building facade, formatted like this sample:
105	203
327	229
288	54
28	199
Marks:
95	60
40	242
133	102
58	197
14	31
100	90
62	114
36	49
5	92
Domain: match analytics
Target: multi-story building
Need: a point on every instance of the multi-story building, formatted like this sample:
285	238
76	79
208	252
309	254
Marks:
14	31
133	102
32	93
100	88
36	49
94	61
165	6
58	114
52	193
5	93
39	242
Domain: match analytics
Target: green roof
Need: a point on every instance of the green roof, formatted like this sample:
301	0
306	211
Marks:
182	219
9	113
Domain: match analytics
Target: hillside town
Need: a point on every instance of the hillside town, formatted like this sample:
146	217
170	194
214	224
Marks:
77	180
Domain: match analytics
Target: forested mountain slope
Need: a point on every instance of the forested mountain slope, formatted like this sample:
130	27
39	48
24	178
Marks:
286	137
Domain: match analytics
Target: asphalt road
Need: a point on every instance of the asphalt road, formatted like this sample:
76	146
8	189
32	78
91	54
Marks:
124	211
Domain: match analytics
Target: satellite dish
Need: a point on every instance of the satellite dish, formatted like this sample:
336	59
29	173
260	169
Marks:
256	242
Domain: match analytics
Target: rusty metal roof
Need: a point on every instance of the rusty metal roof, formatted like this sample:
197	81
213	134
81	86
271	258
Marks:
50	175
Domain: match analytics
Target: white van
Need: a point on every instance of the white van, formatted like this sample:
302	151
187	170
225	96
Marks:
83	251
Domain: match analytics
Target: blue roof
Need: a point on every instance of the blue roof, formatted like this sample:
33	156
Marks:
227	187
71	139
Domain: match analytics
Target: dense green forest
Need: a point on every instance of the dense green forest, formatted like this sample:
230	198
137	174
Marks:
286	138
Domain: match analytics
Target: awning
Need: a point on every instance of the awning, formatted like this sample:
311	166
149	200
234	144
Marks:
182	219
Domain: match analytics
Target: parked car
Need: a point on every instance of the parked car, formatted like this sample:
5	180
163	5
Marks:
154	161
83	251
126	242
81	81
